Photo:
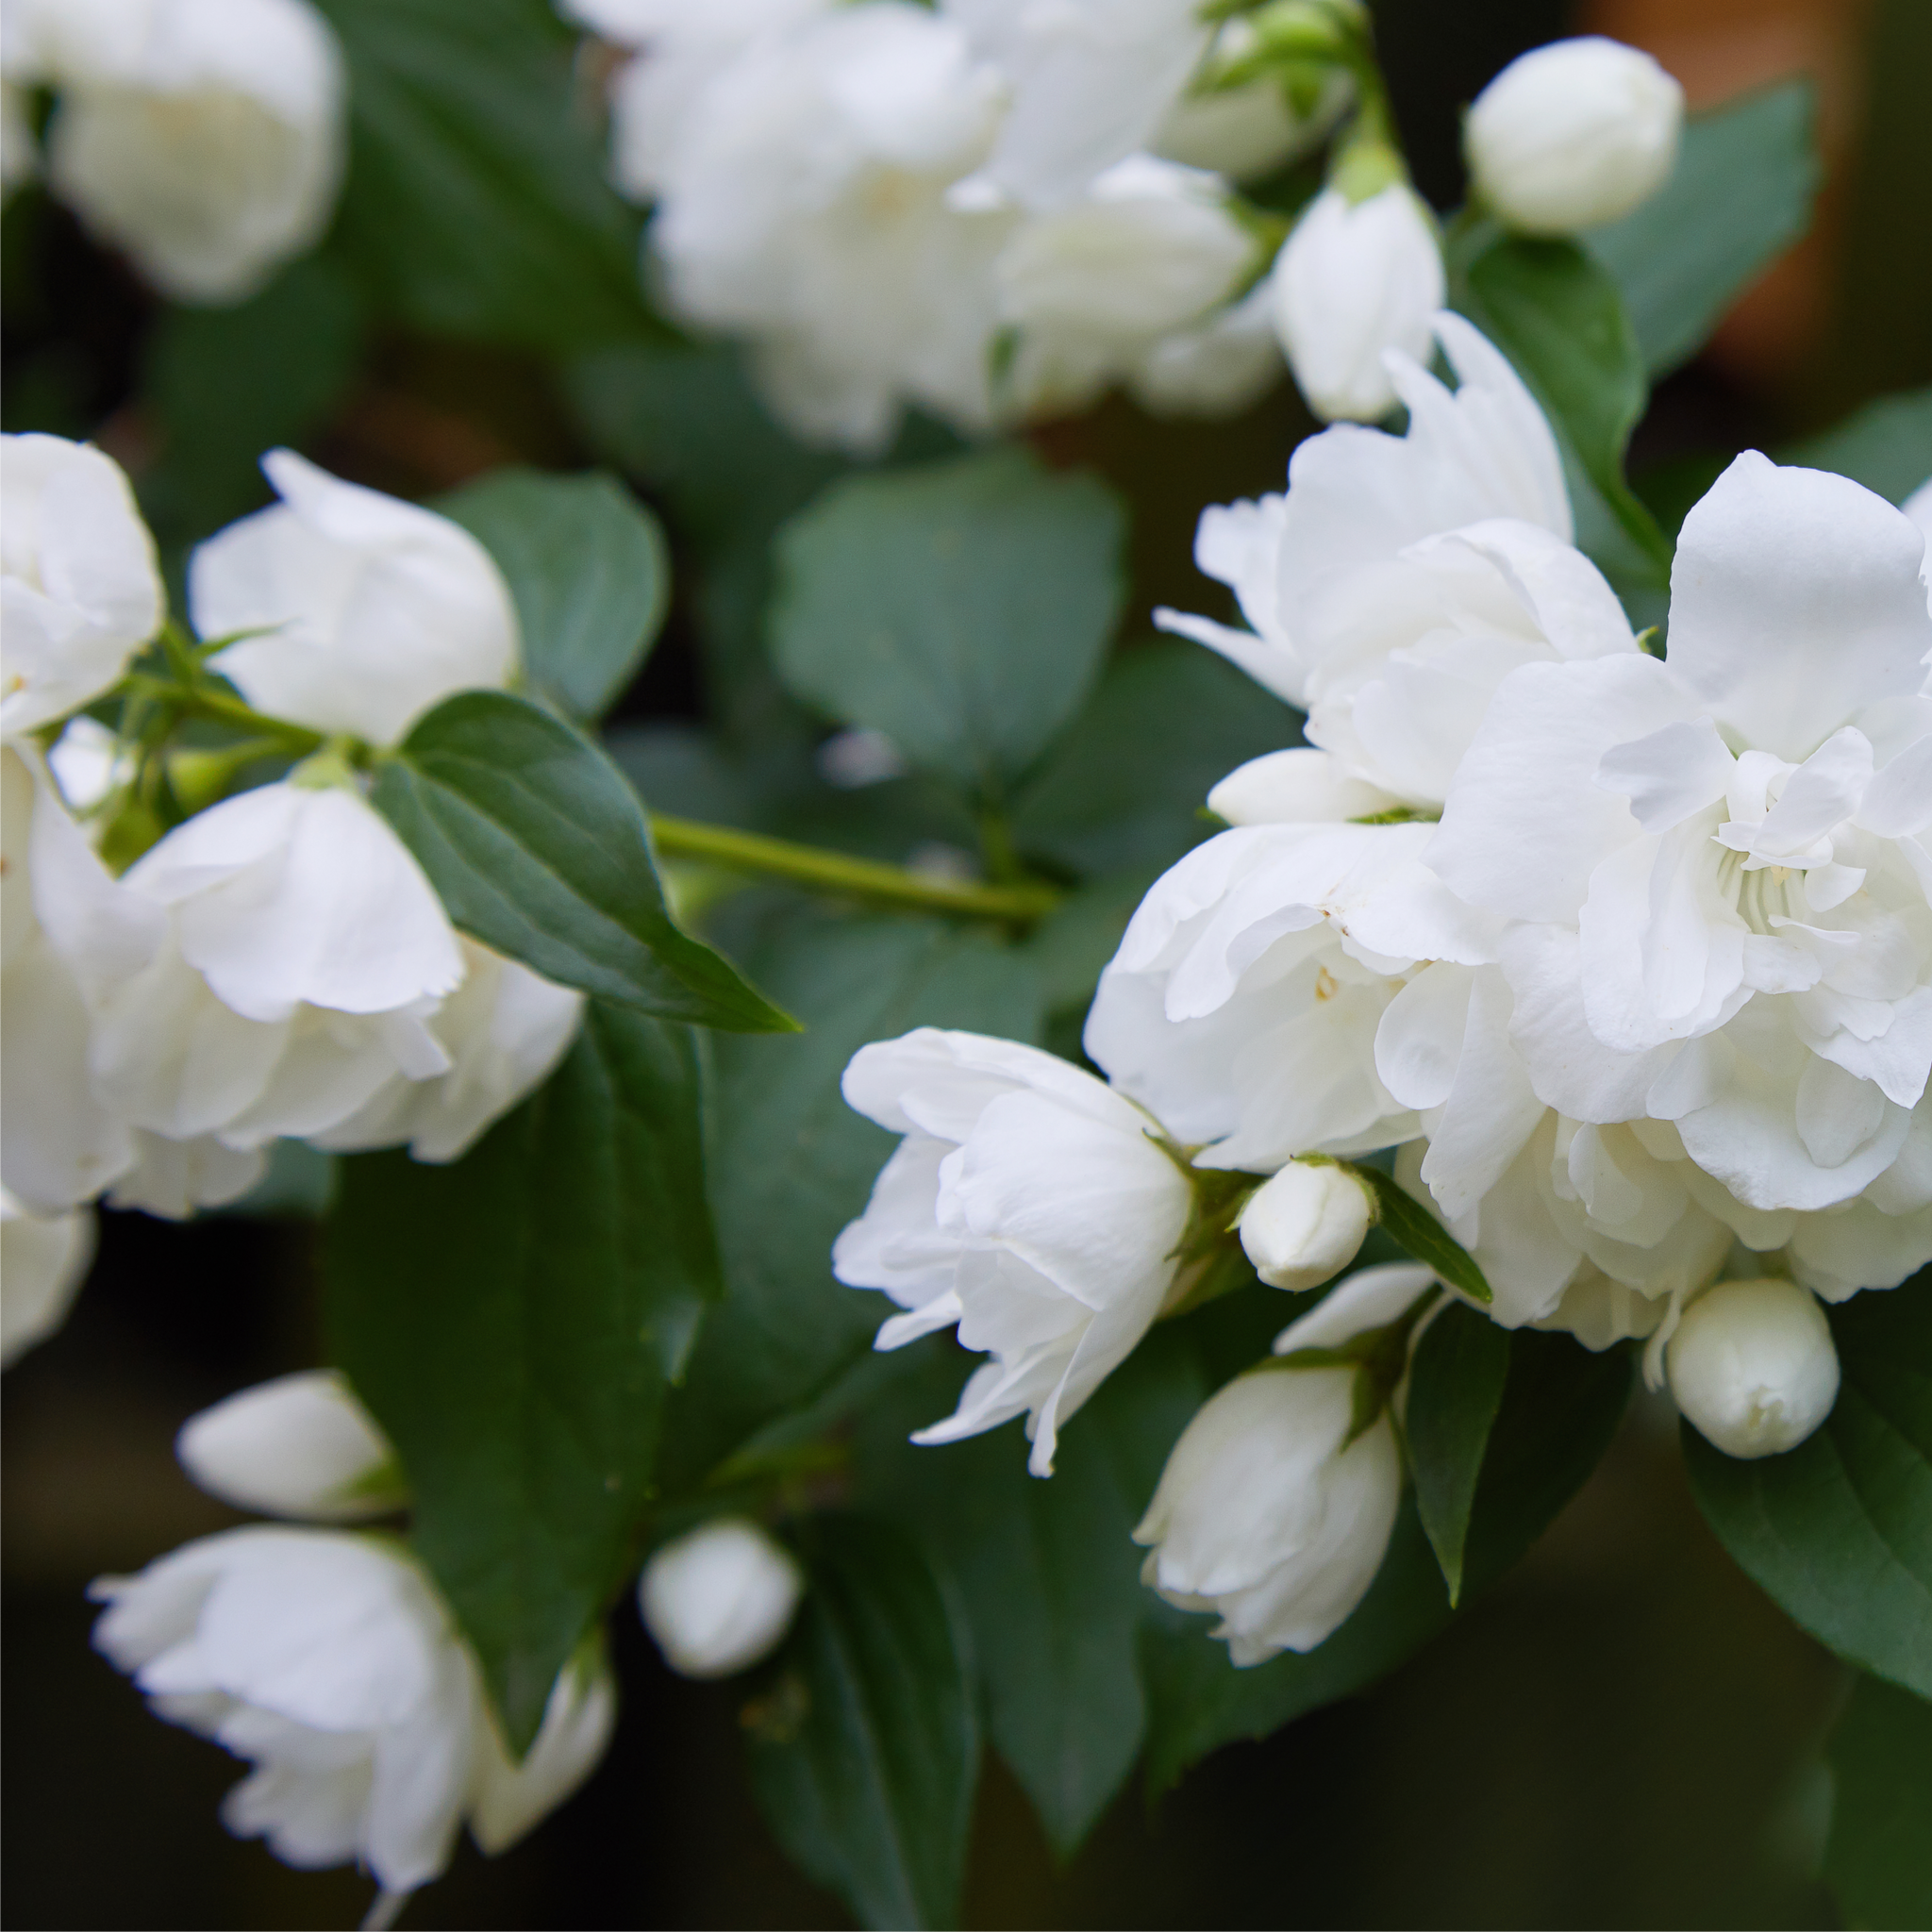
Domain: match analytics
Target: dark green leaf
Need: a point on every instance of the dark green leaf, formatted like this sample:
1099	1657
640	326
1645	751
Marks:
1455	1389
865	1739
226	384
1417	1232
1049	1571
1560	1406
539	848
476	200
1838	1530
1198	1701
961	608
1557	314
1125	788
511	1321
1878	1858
589	568
1740	194
795	1163
1887	445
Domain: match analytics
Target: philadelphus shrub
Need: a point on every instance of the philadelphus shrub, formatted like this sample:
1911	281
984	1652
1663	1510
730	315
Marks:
1638	977
203	137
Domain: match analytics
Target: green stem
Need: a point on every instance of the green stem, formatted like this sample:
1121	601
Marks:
837	872
203	702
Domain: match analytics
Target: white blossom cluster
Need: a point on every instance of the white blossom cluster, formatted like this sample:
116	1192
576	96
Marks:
204	138
276	964
993	209
1628	955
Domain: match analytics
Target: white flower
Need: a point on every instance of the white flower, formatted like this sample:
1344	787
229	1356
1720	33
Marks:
1572	134
718	1598
1095	285
205	136
1267	1514
1718	865
1028	1204
806	210
328	1660
1918	505
1211	368
372	609
172	1177
43	1260
680	49
79	592
1242	1005
1250	130
1305	1225
1400	579
1354	280
61	1143
1752	1366
1090	82
504	1030
301	1445
291	953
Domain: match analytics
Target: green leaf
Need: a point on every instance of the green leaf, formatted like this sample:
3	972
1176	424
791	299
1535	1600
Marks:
1454	1391
1417	1232
1049	1571
865	1740
1125	787
512	1320
1741	195
962	608
1878	1858
1557	314
1561	1405
538	847
226	384
1887	445
1198	1701
795	1163
1838	1530
475	201
590	571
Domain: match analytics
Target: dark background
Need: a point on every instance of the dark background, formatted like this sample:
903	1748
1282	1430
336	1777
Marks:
1625	1733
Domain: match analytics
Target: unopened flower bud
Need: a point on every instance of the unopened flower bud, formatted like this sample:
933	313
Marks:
43	1261
719	1599
1573	135
301	1445
1355	279
1752	1366
1305	1225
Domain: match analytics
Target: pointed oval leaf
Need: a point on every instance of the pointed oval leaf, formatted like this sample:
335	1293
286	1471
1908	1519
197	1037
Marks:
1454	1391
538	847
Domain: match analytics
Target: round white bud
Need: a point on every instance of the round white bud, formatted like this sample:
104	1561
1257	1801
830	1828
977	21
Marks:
1572	134
1305	1225
1752	1366
719	1598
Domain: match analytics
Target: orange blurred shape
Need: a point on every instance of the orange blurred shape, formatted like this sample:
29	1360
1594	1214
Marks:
1721	48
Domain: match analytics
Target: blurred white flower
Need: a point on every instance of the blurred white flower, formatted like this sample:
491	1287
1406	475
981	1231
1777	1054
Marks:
43	1260
79	591
1354	280
806	209
301	1445
1268	1514
1089	82
1250	130
1214	367
1572	134
1094	286
205	138
371	609
330	1660
719	1598
1305	1225
1030	1204
1752	1366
